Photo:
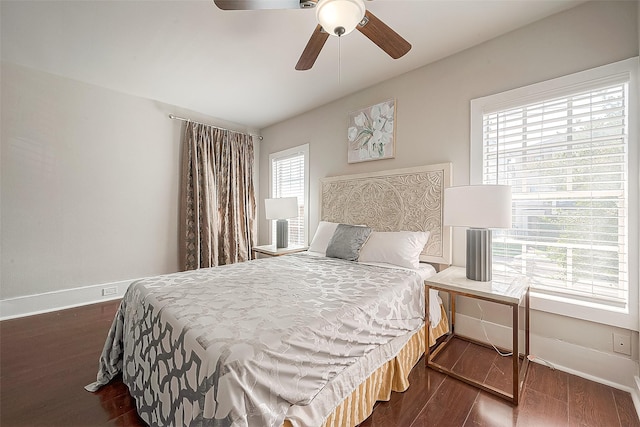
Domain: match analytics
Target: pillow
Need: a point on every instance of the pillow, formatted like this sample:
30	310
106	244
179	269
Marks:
320	240
401	248
347	241
324	232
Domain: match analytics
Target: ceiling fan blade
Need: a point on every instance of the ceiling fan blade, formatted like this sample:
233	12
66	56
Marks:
312	50
264	4
382	35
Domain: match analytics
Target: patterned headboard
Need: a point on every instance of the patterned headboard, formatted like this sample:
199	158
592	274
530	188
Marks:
395	200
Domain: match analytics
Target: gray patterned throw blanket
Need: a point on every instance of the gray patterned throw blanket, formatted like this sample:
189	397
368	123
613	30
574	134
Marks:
243	344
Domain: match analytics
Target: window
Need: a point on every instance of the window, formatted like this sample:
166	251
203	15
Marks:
290	178
564	147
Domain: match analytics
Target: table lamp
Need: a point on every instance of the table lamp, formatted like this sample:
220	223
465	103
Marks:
281	209
480	208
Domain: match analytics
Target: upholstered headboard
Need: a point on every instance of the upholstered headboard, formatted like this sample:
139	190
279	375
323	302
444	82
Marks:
395	200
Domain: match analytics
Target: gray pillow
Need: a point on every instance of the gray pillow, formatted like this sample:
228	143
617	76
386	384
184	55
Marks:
347	241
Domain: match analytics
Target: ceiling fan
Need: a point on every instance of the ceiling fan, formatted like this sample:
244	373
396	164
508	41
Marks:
335	17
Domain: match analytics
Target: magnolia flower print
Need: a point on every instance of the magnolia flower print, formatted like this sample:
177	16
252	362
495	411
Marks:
372	132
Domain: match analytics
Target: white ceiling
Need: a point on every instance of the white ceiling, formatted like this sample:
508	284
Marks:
238	66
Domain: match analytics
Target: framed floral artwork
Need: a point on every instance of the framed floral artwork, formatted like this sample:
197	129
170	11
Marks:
371	133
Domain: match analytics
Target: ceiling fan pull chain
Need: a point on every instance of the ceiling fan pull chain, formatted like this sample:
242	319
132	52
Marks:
339	60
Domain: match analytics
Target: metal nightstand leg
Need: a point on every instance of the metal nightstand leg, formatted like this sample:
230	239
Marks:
519	369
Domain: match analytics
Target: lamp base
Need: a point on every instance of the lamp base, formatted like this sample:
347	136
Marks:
282	233
479	254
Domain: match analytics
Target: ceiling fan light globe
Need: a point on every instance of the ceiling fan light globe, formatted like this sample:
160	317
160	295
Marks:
340	17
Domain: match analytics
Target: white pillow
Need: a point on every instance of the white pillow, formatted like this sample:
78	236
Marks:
320	240
401	248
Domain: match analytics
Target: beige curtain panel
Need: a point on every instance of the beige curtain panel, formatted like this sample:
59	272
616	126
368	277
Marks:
218	208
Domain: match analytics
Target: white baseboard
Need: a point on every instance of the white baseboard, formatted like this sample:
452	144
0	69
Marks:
57	300
635	394
607	368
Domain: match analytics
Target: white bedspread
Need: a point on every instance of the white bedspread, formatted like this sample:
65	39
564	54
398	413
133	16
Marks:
238	345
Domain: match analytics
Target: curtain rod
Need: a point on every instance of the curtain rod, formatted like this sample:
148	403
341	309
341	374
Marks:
174	117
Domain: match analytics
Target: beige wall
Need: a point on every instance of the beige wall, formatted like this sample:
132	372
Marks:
89	184
432	126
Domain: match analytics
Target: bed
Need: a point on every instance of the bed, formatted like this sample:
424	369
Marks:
307	339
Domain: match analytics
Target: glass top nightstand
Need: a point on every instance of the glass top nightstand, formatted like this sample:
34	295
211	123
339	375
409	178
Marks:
511	291
504	289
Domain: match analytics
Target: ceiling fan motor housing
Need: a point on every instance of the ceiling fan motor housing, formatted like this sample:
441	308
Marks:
340	17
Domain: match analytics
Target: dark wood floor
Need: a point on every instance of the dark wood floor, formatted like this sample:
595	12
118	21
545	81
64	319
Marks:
46	360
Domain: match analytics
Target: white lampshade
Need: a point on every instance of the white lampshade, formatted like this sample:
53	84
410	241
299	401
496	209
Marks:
478	206
339	17
281	208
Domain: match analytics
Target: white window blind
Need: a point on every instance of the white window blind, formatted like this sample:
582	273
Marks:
288	180
566	159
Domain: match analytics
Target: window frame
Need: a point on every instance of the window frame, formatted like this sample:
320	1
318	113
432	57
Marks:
300	149
614	72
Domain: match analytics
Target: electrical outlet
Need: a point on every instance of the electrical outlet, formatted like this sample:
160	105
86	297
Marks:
112	290
622	344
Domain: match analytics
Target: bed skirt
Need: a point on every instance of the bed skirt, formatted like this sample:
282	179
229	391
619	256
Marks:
392	376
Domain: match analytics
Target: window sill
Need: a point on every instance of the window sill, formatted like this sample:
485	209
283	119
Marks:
627	319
